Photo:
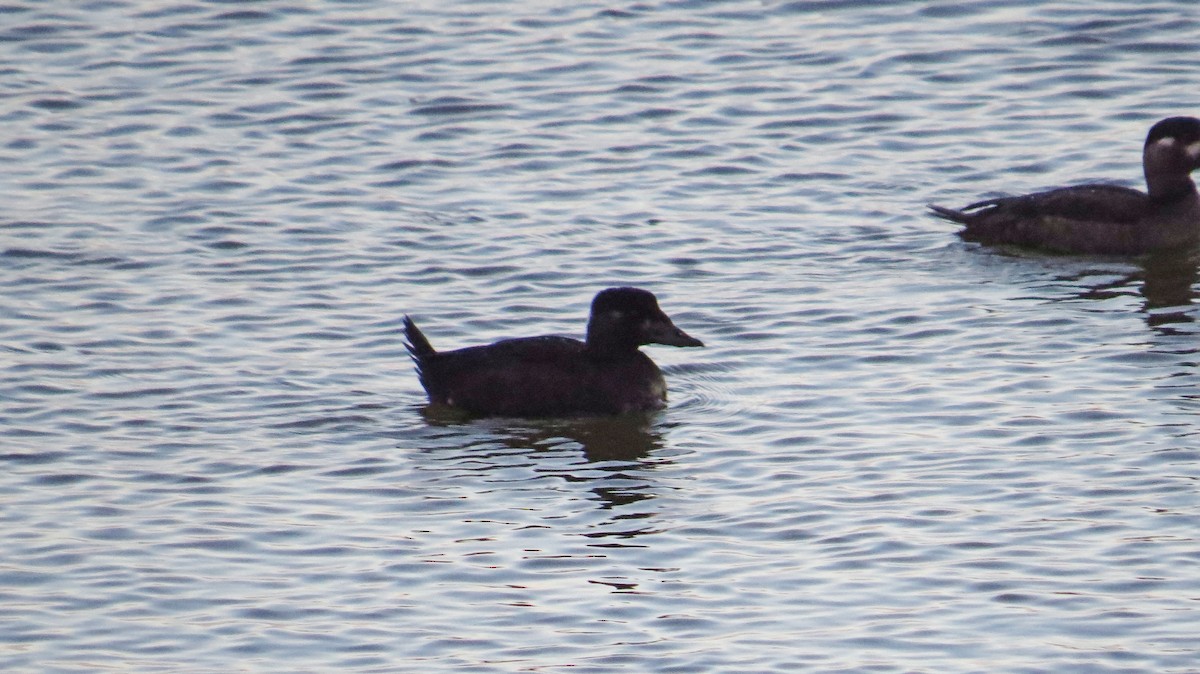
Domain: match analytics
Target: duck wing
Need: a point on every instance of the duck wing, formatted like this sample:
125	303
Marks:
1084	218
1085	203
513	377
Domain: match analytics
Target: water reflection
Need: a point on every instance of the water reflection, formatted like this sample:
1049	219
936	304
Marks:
1169	282
616	451
1166	283
629	438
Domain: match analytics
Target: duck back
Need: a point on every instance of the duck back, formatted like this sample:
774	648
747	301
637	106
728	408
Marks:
541	376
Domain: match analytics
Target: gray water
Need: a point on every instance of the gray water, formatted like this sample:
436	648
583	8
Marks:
898	452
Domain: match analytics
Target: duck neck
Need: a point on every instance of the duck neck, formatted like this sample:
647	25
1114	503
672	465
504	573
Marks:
1169	189
604	342
1166	180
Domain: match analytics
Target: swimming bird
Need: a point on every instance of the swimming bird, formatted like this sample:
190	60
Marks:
552	376
1098	218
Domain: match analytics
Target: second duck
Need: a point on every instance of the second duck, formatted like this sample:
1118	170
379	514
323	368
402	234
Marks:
1103	219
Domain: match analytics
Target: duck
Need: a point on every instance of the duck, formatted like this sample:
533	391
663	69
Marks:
1102	219
553	376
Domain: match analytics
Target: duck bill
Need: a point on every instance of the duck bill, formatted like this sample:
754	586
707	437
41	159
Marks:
665	332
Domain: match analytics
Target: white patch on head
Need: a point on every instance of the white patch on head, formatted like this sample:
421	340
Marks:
1193	151
1165	141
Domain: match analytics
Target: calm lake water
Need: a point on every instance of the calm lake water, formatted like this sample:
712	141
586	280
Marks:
898	452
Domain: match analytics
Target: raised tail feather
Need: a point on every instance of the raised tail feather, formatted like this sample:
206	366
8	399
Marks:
949	214
418	347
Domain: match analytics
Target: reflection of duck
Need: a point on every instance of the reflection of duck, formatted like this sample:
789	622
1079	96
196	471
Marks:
1102	219
558	376
624	438
616	450
1166	282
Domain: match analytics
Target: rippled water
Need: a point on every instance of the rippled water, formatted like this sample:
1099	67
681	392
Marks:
899	452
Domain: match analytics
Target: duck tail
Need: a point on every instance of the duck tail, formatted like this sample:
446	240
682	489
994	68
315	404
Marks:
949	214
418	347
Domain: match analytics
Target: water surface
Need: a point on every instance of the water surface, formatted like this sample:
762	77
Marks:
897	453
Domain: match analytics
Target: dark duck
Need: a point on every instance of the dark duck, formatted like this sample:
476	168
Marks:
1103	219
554	376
